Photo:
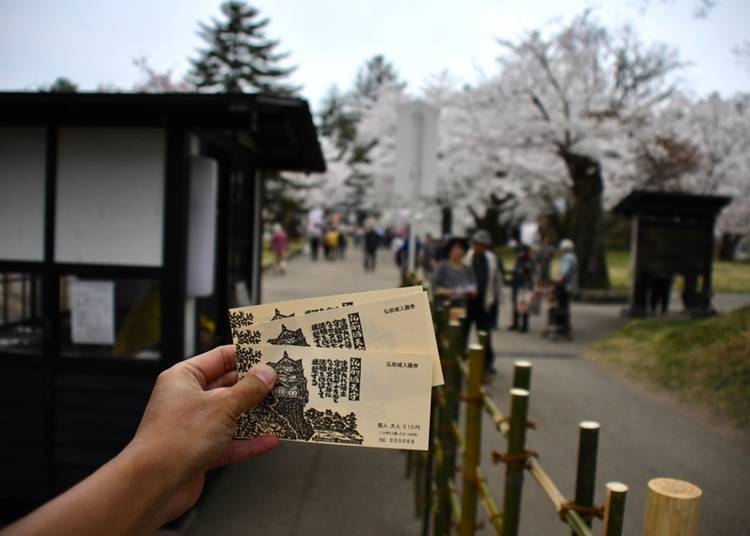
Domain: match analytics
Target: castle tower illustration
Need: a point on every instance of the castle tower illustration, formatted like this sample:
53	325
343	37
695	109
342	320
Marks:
290	396
287	337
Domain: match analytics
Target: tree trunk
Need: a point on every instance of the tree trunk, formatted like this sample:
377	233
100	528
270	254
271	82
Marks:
588	220
446	223
728	246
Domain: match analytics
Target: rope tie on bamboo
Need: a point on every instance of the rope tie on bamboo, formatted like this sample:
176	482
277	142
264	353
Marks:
499	421
586	512
471	398
519	461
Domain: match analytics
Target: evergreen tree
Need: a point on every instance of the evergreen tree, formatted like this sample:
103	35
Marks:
372	75
336	120
238	56
62	85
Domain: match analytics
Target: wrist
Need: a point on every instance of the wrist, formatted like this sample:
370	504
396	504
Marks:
154	472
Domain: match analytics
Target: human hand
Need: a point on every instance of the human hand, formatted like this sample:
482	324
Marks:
190	420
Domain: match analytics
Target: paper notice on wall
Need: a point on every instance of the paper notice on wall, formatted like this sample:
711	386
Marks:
92	312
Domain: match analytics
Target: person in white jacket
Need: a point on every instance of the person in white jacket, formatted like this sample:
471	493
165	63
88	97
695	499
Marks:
483	262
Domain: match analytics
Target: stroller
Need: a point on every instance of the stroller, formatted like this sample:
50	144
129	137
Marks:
558	319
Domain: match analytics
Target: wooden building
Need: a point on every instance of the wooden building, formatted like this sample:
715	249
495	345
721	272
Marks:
672	234
129	224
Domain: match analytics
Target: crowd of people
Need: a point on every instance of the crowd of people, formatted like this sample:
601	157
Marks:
471	276
470	273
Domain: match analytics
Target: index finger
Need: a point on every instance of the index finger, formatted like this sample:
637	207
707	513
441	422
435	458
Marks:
214	363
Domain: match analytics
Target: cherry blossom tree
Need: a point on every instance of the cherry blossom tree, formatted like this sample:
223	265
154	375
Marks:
576	104
719	129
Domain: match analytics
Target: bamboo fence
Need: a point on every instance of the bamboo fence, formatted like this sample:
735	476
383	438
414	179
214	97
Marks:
448	496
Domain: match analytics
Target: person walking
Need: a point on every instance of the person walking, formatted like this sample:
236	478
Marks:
315	231
428	257
279	244
484	265
567	283
372	241
522	282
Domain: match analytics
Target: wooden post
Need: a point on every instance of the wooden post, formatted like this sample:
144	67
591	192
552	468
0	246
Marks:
522	375
519	409
614	509
588	444
447	415
473	439
671	508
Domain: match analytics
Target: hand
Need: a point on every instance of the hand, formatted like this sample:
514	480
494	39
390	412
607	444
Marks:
191	419
186	430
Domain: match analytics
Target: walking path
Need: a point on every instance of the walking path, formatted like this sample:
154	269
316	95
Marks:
302	489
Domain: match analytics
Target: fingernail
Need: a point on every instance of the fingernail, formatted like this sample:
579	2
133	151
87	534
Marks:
265	373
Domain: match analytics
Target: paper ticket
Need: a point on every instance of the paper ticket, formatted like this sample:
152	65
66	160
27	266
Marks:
243	319
398	324
345	397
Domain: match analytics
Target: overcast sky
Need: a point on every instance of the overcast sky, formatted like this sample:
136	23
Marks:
95	41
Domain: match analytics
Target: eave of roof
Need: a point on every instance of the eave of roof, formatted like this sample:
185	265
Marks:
282	128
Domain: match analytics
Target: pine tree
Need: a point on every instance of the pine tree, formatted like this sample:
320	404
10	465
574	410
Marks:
376	72
61	85
239	57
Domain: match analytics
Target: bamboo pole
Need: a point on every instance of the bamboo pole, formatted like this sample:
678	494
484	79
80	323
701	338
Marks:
429	464
672	508
455	503
482	338
493	411
514	471
485	495
573	520
588	443
614	509
522	375
472	444
447	415
418	489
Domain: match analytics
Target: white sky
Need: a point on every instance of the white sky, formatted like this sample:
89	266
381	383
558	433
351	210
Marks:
95	41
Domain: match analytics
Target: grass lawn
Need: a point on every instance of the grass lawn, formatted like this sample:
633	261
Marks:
703	361
728	276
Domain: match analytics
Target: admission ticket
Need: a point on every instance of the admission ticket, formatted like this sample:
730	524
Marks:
345	396
393	335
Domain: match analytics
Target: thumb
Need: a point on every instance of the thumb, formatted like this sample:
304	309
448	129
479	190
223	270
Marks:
252	388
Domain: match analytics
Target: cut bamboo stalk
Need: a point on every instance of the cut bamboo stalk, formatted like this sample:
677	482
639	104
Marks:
514	472
428	471
455	504
473	438
545	482
418	489
493	411
672	508
522	374
588	443
614	509
494	515
447	415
